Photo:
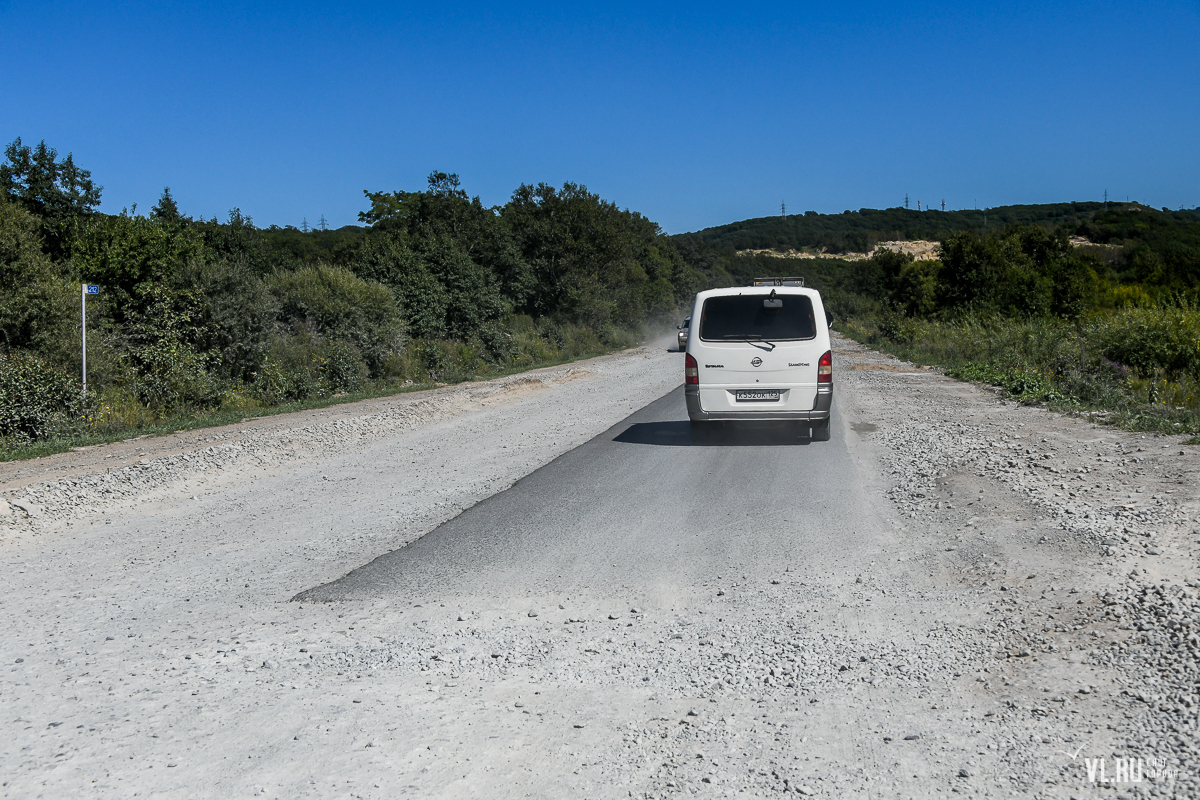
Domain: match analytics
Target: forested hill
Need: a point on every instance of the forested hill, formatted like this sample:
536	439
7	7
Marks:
859	231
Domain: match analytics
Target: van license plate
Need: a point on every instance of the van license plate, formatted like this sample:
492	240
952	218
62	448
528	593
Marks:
756	395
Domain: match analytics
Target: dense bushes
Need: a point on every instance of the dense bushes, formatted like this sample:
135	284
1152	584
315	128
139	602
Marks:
1026	271
298	368
339	306
1141	366
35	398
1164	340
236	319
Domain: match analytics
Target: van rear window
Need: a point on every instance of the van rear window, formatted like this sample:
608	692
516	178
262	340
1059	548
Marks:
744	316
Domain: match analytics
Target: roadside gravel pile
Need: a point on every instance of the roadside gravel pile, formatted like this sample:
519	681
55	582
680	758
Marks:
1128	503
1084	497
265	444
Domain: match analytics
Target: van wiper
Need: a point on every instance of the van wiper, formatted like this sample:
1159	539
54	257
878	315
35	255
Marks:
749	340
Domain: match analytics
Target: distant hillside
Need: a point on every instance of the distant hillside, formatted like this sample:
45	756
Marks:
859	231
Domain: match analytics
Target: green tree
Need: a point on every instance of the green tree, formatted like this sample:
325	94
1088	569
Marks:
915	289
236	317
973	271
128	255
909	285
472	294
387	258
239	242
1051	276
887	266
159	338
444	210
166	210
36	303
592	261
58	192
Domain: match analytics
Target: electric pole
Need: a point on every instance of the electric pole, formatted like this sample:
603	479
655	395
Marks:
304	225
943	205
1106	199
783	209
906	200
324	224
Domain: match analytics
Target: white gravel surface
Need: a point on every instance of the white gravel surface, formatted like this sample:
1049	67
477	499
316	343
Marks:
1027	605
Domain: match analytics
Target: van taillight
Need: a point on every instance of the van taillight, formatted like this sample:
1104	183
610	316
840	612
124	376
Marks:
691	370
825	368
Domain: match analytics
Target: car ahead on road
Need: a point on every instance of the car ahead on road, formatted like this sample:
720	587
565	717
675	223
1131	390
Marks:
683	333
760	352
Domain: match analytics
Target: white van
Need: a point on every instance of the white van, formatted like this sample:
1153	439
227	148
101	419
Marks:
759	353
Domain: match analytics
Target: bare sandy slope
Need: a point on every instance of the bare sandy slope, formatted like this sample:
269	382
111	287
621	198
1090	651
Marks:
1028	604
919	249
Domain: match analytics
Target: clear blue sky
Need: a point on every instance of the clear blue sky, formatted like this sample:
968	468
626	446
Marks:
693	114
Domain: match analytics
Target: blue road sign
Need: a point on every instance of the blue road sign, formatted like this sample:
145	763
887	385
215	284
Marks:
93	288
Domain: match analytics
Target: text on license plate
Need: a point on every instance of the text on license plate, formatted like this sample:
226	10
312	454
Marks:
756	395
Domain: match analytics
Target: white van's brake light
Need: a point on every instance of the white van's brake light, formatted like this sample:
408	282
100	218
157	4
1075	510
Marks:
691	370
825	368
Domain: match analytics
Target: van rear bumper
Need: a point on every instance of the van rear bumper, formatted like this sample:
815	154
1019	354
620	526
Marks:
819	412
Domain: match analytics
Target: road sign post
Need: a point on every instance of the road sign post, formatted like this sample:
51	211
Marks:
84	290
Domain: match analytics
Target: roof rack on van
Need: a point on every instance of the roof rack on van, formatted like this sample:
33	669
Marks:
778	282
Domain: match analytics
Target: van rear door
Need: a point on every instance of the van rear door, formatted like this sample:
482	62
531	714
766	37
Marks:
758	341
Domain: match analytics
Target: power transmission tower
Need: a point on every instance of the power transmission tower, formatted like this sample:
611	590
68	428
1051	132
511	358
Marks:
304	225
783	209
324	224
943	205
1106	199
906	200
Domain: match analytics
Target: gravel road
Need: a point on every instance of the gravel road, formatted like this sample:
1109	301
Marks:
536	586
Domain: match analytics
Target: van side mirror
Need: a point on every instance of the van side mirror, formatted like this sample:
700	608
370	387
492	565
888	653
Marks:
828	318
